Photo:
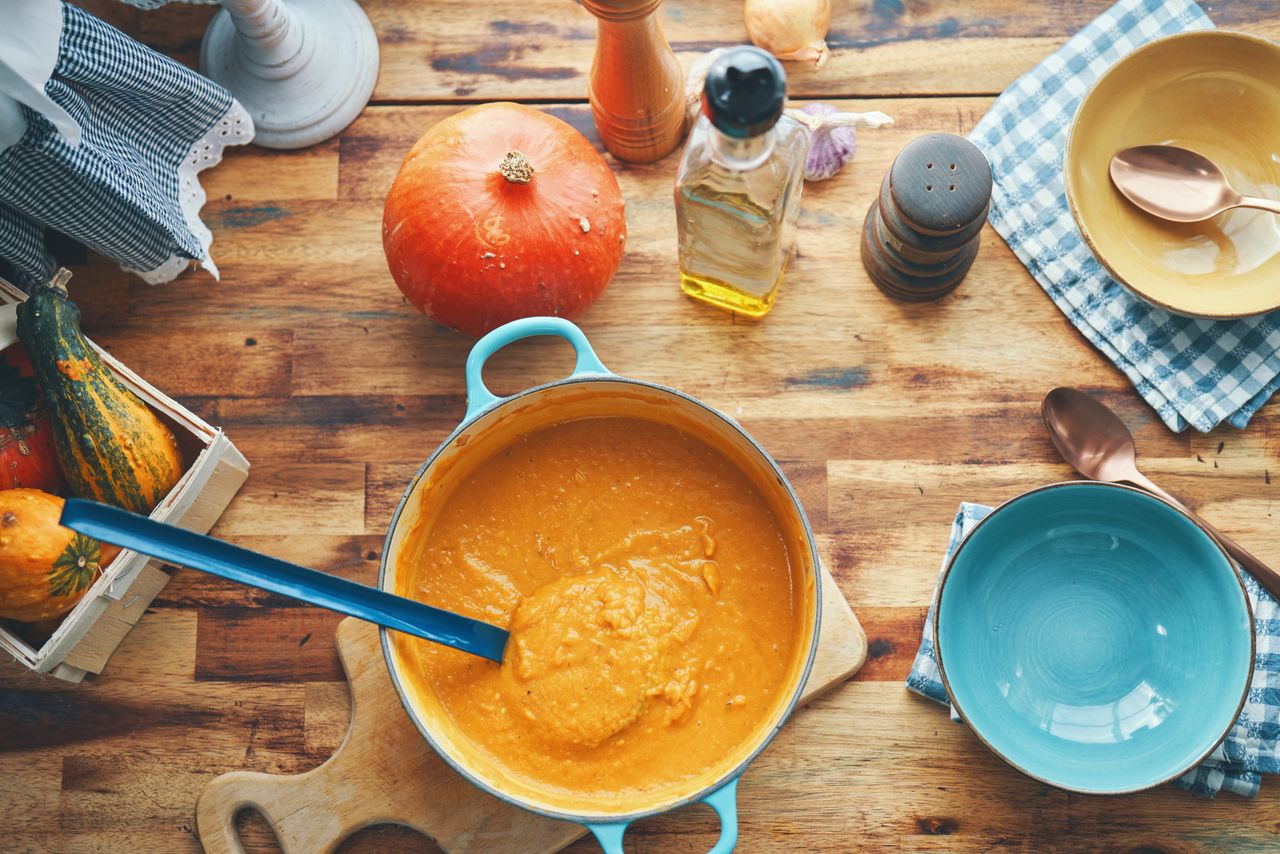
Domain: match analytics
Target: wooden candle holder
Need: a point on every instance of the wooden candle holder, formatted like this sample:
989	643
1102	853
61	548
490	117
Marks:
636	87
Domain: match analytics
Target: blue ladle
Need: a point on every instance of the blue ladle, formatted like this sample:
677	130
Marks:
185	548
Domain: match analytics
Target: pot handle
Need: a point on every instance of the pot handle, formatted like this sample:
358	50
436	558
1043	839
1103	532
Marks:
723	800
479	398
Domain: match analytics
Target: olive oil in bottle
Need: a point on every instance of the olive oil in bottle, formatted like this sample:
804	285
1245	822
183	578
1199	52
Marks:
738	189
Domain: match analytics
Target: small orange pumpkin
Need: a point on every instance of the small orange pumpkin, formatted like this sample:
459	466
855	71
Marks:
27	454
44	567
499	212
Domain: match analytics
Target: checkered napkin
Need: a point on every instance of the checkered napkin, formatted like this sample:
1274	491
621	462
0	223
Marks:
127	187
1191	371
1251	748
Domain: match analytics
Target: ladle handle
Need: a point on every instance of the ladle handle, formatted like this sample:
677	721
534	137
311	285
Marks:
1260	203
1265	575
187	548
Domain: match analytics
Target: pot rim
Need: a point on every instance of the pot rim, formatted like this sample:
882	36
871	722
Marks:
1244	592
801	679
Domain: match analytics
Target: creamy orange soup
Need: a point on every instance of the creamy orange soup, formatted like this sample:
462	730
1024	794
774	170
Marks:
652	606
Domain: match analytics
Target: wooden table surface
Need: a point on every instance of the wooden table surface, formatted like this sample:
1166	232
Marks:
885	415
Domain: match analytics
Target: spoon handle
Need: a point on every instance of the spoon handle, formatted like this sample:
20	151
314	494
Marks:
187	548
1260	203
1265	575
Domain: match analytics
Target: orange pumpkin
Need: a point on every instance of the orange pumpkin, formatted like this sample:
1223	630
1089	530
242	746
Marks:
44	567
499	212
27	454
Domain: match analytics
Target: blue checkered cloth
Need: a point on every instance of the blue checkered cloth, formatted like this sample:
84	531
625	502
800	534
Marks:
1251	748
118	191
1196	372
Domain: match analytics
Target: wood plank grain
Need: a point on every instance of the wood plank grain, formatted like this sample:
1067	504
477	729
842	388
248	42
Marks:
261	644
385	484
161	649
885	416
543	48
260	174
328	714
957	797
194	359
893	637
299	498
388	837
127	716
30	785
304	430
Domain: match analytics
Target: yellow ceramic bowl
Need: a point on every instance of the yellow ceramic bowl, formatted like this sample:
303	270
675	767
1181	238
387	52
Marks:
1214	92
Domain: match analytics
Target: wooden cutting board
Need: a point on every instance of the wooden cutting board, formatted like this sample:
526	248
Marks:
385	772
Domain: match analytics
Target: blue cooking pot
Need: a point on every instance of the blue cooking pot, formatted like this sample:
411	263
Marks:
592	390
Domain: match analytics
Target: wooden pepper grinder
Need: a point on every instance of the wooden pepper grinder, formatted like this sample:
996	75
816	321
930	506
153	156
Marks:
922	232
637	85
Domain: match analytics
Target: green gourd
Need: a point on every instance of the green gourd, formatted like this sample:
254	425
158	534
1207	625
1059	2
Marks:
112	447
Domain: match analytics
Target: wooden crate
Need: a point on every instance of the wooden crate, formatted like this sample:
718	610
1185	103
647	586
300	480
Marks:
91	631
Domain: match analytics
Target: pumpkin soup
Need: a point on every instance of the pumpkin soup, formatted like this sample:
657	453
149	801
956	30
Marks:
652	605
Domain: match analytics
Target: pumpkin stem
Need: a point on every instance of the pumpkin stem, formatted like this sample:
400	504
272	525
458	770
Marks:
516	168
59	280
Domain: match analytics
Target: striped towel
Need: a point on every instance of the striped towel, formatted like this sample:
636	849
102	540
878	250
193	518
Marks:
1196	372
127	189
1251	748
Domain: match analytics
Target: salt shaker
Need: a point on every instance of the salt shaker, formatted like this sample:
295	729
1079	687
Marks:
922	232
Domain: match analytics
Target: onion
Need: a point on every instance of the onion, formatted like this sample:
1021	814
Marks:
790	29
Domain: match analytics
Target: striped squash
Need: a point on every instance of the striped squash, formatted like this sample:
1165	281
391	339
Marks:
44	568
111	445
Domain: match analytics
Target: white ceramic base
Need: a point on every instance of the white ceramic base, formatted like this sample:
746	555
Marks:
302	86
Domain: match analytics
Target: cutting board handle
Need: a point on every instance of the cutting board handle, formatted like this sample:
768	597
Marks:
303	826
358	786
220	803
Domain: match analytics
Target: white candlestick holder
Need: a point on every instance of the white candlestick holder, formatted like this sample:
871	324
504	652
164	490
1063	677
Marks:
303	69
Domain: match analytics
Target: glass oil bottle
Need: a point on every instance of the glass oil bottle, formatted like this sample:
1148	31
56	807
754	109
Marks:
739	185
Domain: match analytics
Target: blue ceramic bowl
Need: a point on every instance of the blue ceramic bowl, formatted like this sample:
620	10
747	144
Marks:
1094	637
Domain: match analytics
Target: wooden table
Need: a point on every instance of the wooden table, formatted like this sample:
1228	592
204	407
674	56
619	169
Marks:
885	415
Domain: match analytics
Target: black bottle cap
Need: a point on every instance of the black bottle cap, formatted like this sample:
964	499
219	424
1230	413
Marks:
744	92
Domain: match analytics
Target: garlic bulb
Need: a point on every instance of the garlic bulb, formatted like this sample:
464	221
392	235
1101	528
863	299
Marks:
832	142
790	29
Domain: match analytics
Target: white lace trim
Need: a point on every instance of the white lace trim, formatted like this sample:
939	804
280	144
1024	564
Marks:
148	5
234	128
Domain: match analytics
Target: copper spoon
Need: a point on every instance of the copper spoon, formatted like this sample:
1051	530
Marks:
1176	184
1096	443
